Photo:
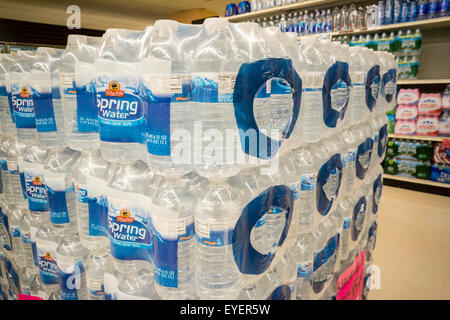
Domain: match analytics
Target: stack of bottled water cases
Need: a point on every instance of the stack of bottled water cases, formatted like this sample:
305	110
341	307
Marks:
221	161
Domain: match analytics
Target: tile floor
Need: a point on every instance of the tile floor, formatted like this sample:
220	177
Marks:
413	246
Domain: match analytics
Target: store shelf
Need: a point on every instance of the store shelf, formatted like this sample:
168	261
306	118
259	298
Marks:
422	138
423	81
417	181
436	23
291	7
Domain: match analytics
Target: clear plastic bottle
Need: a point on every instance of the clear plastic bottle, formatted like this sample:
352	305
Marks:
97	264
15	156
6	107
47	239
166	73
90	164
58	183
14	217
303	253
137	285
217	276
71	257
120	95
6	180
27	275
78	96
174	247
21	95
44	79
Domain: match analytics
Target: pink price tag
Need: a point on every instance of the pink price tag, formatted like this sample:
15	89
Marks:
26	297
351	281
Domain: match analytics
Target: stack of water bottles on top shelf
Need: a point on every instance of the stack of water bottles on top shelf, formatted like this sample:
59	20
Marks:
221	161
405	46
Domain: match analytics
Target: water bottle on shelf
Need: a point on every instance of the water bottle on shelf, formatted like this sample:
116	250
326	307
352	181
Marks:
433	8
174	243
15	159
358	75
21	95
396	11
44	78
137	285
422	9
303	253
167	76
71	257
388	12
14	216
78	96
7	118
380	13
6	181
336	19
97	264
128	205
47	239
216	213
89	178
60	190
120	96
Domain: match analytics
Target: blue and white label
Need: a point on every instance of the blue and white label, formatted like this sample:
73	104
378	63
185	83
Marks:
359	213
87	113
129	225
213	87
163	88
304	269
58	193
34	183
43	103
23	106
167	234
308	182
216	234
72	278
97	204
48	268
120	103
388	85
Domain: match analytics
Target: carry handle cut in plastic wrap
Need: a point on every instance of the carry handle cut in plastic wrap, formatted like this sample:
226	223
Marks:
251	77
247	258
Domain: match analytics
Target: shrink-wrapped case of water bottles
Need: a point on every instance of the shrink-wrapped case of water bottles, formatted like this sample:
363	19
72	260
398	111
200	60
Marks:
220	161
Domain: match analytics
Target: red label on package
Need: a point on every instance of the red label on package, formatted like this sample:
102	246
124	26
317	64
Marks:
27	297
446	143
351	281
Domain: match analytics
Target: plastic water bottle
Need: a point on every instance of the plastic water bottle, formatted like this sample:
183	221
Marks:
47	239
6	106
174	244
217	276
14	216
326	246
15	159
358	75
27	275
217	71
307	167
58	183
21	95
316	66
78	96
97	264
137	285
90	164
166	74
120	95
422	9
6	180
345	209
44	79
71	256
303	252
128	206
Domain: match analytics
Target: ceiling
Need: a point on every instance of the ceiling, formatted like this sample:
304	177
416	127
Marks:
103	14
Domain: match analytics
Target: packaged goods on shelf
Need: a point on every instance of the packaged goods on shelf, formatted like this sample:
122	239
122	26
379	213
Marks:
407	168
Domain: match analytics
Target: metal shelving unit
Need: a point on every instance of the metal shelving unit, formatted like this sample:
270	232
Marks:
417	181
423	81
422	138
